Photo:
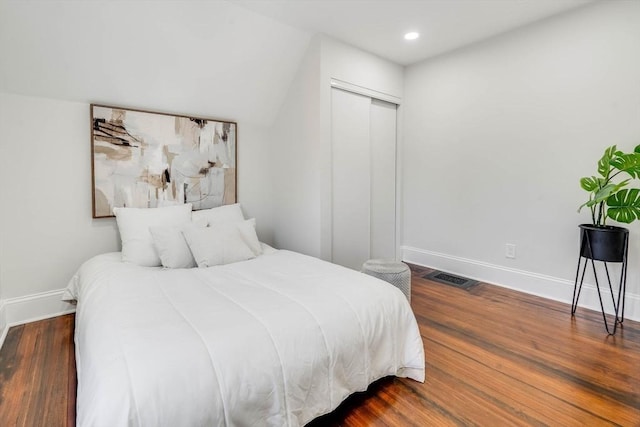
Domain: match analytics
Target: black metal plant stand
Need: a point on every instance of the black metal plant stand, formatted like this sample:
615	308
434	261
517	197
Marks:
588	253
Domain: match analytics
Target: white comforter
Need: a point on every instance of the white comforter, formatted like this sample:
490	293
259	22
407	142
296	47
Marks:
277	340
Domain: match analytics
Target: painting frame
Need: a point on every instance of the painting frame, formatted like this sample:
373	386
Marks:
145	159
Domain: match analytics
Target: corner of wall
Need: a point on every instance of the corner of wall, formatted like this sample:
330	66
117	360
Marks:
31	308
294	160
3	322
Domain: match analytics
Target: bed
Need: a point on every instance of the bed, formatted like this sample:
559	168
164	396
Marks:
276	340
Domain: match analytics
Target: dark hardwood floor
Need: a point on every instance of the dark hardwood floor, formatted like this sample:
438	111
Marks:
495	357
38	374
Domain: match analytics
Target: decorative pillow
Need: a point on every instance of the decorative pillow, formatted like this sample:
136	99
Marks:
221	243
248	232
172	247
134	223
225	213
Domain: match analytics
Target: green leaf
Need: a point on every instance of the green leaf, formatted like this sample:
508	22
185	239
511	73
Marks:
620	185
629	163
604	164
602	194
605	192
590	183
624	206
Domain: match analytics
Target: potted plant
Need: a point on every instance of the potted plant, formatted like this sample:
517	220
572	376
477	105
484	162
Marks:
610	198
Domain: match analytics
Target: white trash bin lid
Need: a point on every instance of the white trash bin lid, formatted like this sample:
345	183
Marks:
385	266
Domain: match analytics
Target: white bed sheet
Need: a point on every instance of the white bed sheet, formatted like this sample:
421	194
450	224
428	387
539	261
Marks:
277	340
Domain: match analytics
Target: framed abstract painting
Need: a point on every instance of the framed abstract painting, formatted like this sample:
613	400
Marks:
145	159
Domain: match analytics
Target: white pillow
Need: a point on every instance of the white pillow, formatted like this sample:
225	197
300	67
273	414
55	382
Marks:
134	223
221	243
248	232
172	247
225	213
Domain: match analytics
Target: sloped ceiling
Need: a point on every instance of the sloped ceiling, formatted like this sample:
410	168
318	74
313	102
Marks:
378	26
207	58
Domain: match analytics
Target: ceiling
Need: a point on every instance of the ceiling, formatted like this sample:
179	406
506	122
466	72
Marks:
378	26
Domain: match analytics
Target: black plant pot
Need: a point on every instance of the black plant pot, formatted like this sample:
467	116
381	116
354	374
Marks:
603	242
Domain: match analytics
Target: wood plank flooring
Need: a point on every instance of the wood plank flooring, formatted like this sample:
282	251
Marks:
495	357
38	375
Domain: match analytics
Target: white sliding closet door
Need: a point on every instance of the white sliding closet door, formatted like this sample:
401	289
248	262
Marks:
383	179
363	135
351	170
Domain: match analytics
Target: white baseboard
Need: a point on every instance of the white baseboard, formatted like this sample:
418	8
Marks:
525	281
30	308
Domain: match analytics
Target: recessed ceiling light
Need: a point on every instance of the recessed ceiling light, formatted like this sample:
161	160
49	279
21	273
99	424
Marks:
411	36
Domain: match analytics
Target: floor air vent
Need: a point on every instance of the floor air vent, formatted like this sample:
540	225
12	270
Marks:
450	279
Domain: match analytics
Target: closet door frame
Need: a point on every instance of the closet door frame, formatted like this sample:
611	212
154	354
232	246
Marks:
361	90
374	94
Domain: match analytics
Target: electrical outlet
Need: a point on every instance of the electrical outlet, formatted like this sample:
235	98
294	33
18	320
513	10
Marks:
510	251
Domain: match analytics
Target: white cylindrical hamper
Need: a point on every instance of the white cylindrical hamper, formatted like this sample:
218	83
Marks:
391	271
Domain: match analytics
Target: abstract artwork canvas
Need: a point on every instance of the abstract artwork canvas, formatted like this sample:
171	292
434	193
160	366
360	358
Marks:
144	159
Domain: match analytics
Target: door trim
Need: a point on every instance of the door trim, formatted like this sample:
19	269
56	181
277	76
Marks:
360	90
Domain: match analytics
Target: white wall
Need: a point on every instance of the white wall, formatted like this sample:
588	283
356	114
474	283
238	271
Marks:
46	230
294	160
45	220
212	59
301	158
497	136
